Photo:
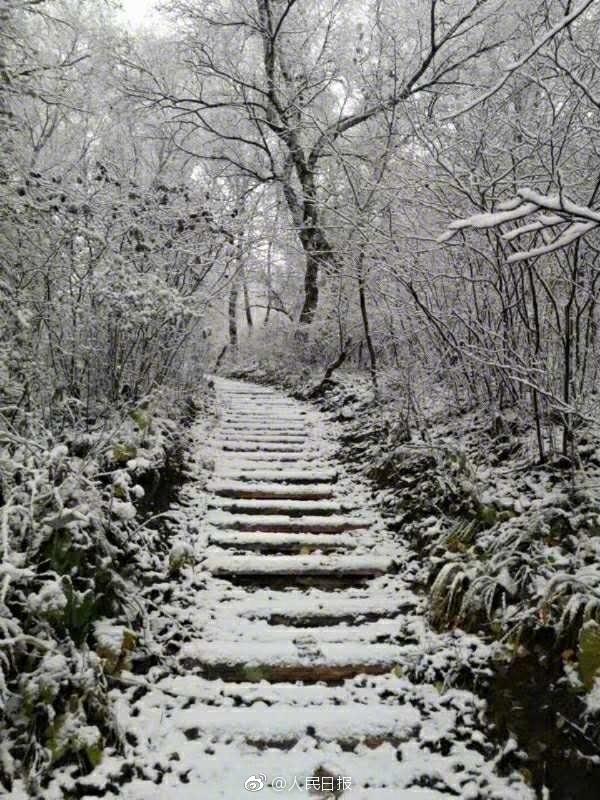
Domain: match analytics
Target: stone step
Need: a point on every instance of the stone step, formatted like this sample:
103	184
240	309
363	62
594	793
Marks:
266	424
301	695
225	437
238	446
283	726
263	433
261	391
334	581
272	426
308	611
282	542
266	415
384	630
270	491
291	508
271	397
260	401
315	608
272	412
274	522
286	661
307	476
272	459
235	396
305	566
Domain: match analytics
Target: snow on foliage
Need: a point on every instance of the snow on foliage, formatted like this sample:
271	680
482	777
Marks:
75	555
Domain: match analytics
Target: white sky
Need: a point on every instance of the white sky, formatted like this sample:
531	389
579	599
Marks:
140	12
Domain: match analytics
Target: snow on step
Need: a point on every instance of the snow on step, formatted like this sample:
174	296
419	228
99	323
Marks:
261	540
266	442
265	458
238	446
264	415
300	694
298	476
275	421
226	462
249	427
263	408
271	399
304	605
282	506
262	434
262	652
229	386
218	767
276	685
363	565
267	491
233	388
248	397
276	522
260	630
284	724
354	601
241	414
263	437
265	461
288	661
271	425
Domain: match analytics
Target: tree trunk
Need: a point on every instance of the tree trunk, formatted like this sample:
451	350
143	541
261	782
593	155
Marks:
269	279
365	320
311	288
247	308
317	250
233	300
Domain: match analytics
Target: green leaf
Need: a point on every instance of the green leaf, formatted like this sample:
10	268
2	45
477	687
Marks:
122	453
141	419
589	653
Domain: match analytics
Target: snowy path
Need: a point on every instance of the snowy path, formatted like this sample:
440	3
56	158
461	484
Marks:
300	630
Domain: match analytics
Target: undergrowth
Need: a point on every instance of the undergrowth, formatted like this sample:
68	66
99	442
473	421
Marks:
508	548
82	545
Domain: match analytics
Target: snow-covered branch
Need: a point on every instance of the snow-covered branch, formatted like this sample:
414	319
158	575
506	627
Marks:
515	66
569	222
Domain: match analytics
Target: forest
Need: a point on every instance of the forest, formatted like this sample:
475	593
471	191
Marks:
368	229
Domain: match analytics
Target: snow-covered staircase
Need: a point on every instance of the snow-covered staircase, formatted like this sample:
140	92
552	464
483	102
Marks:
264	531
291	681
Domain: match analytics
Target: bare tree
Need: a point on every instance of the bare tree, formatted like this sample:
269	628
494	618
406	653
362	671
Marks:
281	118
